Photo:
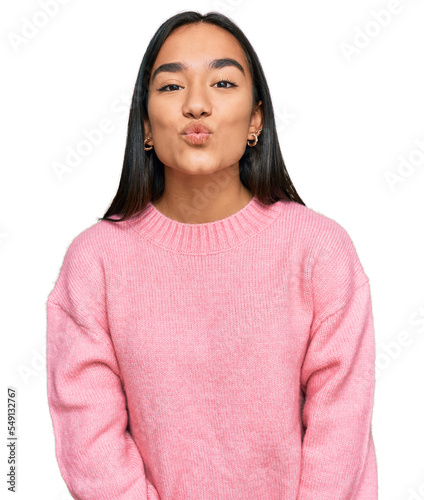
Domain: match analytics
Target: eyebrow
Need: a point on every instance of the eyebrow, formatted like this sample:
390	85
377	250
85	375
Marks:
175	67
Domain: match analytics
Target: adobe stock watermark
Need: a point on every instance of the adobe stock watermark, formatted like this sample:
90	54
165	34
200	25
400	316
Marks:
34	367
413	494
225	6
378	21
393	349
32	25
406	166
91	139
283	119
65	496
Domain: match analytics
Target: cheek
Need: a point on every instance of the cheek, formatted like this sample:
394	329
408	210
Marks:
165	132
160	116
236	115
235	130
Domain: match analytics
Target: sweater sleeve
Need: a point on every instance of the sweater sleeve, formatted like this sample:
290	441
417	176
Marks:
96	454
338	379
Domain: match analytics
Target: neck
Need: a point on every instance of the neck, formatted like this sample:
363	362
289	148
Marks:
198	207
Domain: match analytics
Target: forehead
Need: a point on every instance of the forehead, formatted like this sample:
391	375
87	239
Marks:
198	43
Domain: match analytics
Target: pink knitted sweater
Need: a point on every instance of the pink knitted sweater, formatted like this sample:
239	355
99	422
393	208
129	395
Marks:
229	360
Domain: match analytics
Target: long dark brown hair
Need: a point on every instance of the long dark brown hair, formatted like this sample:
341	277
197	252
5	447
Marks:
261	168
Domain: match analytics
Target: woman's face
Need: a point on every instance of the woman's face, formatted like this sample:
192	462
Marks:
180	97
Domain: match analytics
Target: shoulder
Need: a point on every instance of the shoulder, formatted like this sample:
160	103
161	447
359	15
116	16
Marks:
84	259
95	241
329	241
333	270
315	229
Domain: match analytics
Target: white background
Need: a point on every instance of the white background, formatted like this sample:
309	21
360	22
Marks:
344	122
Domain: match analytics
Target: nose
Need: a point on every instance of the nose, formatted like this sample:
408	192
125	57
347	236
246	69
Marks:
197	102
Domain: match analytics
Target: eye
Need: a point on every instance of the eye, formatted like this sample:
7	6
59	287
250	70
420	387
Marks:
227	84
232	84
168	85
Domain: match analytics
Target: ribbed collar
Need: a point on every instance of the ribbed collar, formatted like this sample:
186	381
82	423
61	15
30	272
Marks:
206	237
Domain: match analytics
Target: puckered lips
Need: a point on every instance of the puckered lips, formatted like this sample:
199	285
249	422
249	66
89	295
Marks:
196	133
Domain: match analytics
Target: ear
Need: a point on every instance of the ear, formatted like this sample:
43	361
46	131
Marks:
147	128
256	119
